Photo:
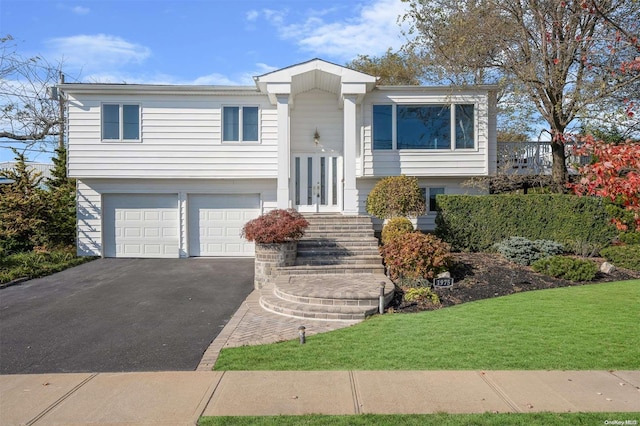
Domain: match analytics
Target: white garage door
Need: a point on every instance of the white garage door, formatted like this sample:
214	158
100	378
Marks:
215	222
141	225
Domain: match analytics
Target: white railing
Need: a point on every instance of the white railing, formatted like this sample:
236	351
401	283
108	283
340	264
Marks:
533	157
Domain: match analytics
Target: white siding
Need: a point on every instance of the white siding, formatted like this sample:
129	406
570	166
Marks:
91	192
180	138
426	222
424	162
316	110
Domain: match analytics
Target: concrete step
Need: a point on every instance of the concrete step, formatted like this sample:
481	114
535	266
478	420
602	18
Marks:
338	242
274	304
351	233
337	251
324	259
331	269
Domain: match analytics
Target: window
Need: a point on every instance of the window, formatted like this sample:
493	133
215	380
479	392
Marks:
430	197
464	127
382	127
433	206
424	127
120	122
433	126
240	124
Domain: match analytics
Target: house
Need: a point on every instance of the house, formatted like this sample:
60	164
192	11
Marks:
175	171
43	168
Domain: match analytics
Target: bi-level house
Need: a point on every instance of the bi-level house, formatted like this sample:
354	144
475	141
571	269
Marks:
175	171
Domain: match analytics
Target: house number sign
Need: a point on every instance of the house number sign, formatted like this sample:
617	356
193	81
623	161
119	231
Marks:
442	282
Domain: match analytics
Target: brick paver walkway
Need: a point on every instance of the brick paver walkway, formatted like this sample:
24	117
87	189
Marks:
252	325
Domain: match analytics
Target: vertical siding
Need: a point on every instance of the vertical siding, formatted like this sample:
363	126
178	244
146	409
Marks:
181	136
424	162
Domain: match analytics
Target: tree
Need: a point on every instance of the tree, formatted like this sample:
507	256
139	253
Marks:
22	212
28	114
614	174
61	203
565	56
392	68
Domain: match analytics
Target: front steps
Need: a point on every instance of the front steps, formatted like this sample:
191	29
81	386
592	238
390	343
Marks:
337	274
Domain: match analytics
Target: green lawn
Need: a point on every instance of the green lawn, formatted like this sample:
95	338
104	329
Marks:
534	419
574	328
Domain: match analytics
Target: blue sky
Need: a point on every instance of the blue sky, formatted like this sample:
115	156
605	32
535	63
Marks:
195	41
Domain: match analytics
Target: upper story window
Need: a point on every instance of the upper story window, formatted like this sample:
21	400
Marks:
240	124
429	126
120	122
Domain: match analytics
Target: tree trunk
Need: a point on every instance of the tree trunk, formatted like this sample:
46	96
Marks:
559	173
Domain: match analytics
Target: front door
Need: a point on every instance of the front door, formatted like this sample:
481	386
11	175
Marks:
317	182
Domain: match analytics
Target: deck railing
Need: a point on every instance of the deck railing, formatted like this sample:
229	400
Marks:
533	157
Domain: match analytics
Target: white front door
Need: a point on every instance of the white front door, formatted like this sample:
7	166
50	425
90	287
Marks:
317	182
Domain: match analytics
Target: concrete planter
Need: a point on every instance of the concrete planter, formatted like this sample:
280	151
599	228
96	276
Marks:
269	257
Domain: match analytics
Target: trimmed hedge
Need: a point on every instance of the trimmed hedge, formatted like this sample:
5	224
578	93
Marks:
623	256
476	222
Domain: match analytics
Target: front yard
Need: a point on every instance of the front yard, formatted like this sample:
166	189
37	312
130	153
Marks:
34	265
574	328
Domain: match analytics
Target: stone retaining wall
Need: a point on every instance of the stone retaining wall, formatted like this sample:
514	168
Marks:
271	256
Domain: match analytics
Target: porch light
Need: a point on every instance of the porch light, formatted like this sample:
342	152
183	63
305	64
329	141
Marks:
316	137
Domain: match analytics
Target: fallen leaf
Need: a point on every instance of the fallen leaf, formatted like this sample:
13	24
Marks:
294	397
46	384
609	399
529	406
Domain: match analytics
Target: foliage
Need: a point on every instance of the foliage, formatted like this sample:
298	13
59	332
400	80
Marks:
416	255
61	203
395	227
536	330
476	222
615	174
629	237
627	256
27	112
37	264
22	208
392	68
510	183
396	196
276	226
525	252
421	295
563	56
567	268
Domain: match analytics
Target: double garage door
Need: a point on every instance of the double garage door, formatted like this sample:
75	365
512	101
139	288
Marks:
148	225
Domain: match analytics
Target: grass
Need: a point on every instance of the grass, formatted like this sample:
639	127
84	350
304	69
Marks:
34	265
573	328
533	419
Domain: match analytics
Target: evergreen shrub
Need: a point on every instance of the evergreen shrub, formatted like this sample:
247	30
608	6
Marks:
476	222
394	227
525	252
396	196
623	256
566	268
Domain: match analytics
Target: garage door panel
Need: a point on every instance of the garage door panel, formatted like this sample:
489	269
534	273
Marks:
215	222
141	225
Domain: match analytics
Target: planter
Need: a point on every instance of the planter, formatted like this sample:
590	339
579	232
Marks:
269	257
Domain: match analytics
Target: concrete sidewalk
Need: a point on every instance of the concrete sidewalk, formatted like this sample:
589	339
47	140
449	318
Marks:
180	398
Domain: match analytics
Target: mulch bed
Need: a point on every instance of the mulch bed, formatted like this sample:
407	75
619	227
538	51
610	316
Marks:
485	275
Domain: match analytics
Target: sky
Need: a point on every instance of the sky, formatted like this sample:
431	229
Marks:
224	42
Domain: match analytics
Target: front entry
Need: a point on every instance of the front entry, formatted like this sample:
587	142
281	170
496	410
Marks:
317	182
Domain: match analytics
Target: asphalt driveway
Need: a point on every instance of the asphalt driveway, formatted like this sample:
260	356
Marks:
120	315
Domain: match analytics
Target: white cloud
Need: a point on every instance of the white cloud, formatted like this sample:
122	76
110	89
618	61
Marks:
252	15
97	52
80	10
371	30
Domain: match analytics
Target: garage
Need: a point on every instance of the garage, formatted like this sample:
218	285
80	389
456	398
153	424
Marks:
215	222
141	225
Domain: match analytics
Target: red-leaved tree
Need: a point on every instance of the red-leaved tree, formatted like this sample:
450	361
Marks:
614	174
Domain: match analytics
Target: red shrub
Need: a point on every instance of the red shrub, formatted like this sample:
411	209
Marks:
276	226
416	255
